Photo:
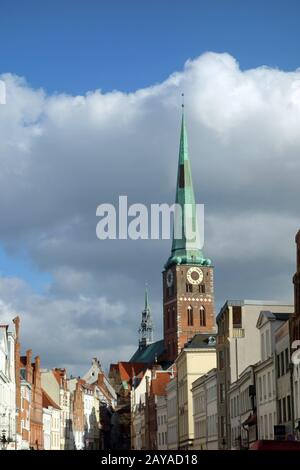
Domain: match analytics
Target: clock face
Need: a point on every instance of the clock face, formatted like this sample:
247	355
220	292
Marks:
194	276
170	278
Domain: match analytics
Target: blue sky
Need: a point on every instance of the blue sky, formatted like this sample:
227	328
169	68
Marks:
75	46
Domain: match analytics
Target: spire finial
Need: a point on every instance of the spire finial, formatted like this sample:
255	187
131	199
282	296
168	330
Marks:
146	296
182	101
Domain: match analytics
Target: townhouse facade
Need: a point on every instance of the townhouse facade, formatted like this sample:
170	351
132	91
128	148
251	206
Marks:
172	414
238	346
8	410
196	359
204	392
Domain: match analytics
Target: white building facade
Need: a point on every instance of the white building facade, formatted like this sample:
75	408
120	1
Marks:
204	392
172	417
162	427
47	424
265	373
283	378
8	409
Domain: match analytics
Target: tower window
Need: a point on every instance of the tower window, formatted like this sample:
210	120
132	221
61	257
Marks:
189	287
181	176
202	316
171	318
201	288
190	316
170	291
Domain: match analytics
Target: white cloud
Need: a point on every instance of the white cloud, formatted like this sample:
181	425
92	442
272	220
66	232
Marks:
61	156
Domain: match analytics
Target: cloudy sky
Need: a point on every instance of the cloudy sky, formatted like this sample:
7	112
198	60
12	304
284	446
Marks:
65	149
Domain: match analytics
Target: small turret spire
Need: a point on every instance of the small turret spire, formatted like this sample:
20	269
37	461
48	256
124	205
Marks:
146	328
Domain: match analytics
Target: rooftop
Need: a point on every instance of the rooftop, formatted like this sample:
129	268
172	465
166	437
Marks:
264	303
202	341
149	354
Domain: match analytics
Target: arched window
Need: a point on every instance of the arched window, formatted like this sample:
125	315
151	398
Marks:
190	316
168	318
173	317
202	316
201	288
188	287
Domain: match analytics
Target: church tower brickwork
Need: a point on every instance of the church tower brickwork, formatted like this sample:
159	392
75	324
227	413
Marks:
188	282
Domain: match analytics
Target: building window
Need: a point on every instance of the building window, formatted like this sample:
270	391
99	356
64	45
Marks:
237	317
171	318
201	288
270	425
286	361
264	387
181	176
282	363
288	408
279	412
263	354
221	360
266	426
202	316
284	409
190	316
222	393
188	287
222	427
268	354
278	365
260	389
170	291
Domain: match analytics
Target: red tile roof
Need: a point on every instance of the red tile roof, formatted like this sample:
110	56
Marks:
128	370
159	383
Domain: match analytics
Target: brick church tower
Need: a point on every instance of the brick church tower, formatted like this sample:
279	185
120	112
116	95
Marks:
188	283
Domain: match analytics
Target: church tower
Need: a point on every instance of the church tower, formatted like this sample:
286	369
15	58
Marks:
188	284
146	328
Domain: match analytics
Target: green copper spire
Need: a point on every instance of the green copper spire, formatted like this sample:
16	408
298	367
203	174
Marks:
186	247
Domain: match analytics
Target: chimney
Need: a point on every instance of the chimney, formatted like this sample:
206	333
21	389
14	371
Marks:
16	321
37	361
147	386
28	357
29	366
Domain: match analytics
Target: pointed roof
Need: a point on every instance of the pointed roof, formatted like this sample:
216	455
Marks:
186	245
147	306
146	328
48	401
